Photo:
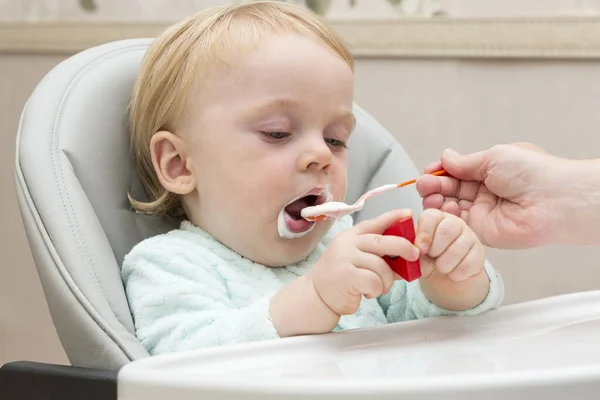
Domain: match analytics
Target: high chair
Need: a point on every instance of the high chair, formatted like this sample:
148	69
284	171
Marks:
73	170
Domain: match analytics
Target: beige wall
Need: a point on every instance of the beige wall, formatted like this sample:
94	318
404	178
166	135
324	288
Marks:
472	104
427	104
174	9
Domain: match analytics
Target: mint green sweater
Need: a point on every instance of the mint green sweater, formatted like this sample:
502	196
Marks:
188	291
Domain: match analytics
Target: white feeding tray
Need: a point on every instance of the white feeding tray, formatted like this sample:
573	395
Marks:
546	349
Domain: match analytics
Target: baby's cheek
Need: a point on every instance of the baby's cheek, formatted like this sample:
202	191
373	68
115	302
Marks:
339	182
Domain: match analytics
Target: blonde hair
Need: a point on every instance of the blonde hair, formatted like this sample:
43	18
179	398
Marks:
178	64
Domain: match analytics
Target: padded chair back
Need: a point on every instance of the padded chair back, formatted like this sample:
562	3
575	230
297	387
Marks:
73	170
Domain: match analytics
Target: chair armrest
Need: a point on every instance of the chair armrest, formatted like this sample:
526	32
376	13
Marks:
24	380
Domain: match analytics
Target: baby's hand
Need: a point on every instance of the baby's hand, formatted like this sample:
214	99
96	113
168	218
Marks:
352	265
452	256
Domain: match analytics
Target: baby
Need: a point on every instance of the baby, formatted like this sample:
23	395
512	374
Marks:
240	118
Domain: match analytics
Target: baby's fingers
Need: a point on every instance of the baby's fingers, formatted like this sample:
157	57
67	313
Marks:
380	223
427	266
469	266
426	229
367	283
449	260
377	265
388	245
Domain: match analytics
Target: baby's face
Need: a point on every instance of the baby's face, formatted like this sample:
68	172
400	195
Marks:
264	135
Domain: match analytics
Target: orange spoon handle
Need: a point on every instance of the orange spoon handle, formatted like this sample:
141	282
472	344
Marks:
436	173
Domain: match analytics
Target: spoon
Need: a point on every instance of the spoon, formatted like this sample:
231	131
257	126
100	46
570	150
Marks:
337	209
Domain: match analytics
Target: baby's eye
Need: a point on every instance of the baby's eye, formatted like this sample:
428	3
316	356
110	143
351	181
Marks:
277	135
336	143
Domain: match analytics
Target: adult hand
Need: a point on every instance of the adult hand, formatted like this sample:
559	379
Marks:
517	196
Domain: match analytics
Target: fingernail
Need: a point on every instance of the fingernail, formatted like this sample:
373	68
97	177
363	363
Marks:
416	253
406	212
449	153
421	243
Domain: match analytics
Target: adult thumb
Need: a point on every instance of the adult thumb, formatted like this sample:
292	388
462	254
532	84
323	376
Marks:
467	167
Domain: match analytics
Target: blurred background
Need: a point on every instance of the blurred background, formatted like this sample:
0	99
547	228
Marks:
465	74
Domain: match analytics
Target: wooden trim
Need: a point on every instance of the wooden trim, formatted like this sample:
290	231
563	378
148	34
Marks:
419	37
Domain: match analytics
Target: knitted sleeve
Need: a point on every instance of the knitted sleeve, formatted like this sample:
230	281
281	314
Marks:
406	301
183	297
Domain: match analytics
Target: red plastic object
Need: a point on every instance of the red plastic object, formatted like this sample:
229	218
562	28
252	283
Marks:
409	270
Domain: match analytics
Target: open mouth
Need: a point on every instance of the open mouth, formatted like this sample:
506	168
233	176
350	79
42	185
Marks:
294	210
290	223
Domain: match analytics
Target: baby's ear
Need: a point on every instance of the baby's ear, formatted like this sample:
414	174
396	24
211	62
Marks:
170	163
